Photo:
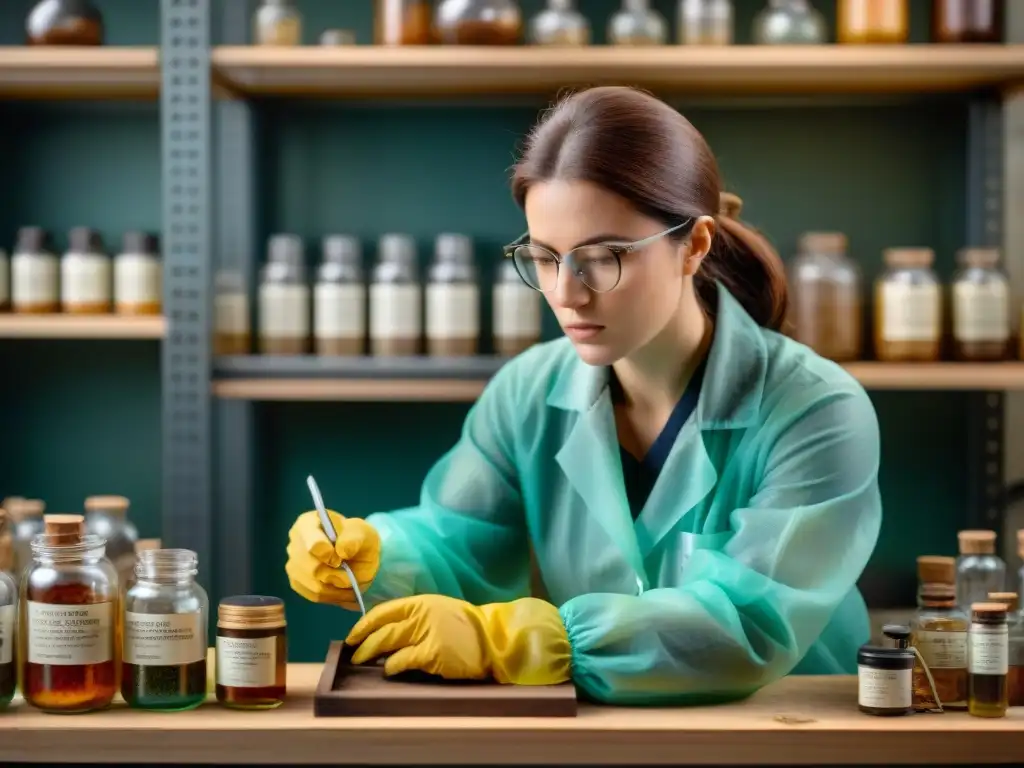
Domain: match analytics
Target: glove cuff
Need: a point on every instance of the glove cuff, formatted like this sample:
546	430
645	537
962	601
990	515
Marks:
527	642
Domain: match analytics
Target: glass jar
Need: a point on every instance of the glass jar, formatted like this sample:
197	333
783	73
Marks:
636	23
339	298
825	304
8	656
705	22
165	624
403	22
5	281
478	22
107	517
252	652
232	334
64	22
27	518
516	322
790	22
979	570
86	273
560	24
396	299
968	21
940	636
68	621
138	288
872	21
35	273
453	299
277	22
981	307
908	307
284	310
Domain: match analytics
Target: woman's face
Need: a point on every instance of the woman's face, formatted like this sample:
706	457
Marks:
608	326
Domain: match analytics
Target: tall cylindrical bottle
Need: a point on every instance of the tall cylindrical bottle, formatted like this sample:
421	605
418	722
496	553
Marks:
396	299
339	298
453	299
284	312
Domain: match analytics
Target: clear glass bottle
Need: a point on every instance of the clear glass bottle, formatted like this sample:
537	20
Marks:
981	307
861	22
8	623
232	333
706	22
517	312
908	307
940	636
69	620
166	614
339	298
284	311
968	21
86	274
27	516
826	308
396	299
277	22
35	273
453	299
478	22
5	281
979	570
560	24
403	22
636	23
107	517
988	694
1015	645
138	275
790	22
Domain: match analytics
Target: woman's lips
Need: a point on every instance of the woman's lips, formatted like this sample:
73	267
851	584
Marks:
583	331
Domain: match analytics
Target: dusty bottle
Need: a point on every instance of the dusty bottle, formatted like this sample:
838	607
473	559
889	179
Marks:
979	570
981	307
396	299
138	287
284	311
86	274
339	298
35	273
453	299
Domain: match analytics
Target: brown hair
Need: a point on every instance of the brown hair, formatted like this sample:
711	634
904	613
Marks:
638	147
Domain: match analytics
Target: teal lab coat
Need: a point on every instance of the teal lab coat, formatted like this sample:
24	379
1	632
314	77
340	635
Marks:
741	567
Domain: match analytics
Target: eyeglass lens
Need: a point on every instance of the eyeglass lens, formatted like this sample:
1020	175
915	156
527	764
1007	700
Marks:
596	265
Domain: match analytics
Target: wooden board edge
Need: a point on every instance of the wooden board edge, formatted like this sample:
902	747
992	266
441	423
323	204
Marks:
325	685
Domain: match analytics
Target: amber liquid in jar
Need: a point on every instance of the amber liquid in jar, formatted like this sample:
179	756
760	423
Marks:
403	22
252	652
861	22
968	21
940	636
987	685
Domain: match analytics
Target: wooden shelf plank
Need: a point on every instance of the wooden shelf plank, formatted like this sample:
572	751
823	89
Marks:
57	72
81	327
356	71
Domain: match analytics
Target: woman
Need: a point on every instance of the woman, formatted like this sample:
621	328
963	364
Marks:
699	491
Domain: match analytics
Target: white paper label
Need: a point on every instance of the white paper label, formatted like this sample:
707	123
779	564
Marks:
942	650
85	278
284	311
5	282
34	278
884	688
7	614
911	312
163	640
137	279
395	311
981	312
232	313
70	634
453	311
516	311
339	311
246	663
990	653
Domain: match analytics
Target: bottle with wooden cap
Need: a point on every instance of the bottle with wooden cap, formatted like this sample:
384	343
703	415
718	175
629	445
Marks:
1015	645
252	652
107	517
979	570
908	307
940	636
8	612
989	661
68	620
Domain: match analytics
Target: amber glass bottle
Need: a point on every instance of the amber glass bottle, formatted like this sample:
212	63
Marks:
252	652
940	636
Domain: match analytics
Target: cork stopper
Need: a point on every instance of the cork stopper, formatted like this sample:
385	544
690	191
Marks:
988	612
63	529
938	595
977	542
20	508
114	504
1009	599
986	258
145	545
729	205
936	569
822	242
909	258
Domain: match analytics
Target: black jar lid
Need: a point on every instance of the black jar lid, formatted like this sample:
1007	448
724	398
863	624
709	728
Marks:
885	658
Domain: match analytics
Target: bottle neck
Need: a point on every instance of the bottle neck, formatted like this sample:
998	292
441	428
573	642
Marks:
166	566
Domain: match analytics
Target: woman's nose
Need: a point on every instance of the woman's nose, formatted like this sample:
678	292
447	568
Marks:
570	292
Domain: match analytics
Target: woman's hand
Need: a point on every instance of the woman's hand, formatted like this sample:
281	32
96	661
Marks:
522	642
314	564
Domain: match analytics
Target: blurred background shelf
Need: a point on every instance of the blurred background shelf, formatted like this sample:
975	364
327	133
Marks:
81	327
57	73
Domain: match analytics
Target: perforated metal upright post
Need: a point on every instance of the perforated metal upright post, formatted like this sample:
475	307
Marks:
187	240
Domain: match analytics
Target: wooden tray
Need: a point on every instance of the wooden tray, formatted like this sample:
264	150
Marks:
347	690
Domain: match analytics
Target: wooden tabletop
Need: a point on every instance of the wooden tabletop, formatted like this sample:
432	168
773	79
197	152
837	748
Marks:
800	720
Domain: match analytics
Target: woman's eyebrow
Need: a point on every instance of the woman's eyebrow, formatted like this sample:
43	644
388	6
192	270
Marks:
595	240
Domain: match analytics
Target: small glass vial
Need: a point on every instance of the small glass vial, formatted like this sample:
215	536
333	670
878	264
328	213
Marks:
636	23
940	636
396	299
339	298
478	22
860	22
908	307
988	694
5	281
8	639
403	22
27	519
277	22
981	307
560	24
86	274
979	570
284	311
517	312
107	517
968	21
35	273
232	334
165	624
68	623
1015	645
252	652
138	276
705	22
790	22
453	299
884	675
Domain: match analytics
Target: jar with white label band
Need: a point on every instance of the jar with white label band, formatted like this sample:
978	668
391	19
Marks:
232	332
165	623
884	676
517	307
69	609
940	636
35	273
252	652
396	299
339	298
284	311
989	662
5	281
453	299
86	274
908	307
138	275
981	307
8	614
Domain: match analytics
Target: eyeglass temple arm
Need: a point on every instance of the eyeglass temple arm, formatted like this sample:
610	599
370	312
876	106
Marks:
518	241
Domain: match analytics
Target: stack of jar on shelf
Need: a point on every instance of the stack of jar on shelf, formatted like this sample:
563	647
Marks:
78	629
389	315
697	22
916	319
85	280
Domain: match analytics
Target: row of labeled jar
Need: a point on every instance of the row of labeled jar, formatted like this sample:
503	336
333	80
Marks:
85	279
392	314
82	636
915	317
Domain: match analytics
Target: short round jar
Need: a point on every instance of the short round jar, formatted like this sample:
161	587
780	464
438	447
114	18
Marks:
252	652
884	681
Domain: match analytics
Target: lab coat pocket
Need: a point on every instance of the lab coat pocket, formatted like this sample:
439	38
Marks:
679	549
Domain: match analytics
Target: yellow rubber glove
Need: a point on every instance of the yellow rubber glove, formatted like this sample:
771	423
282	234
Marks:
314	564
523	642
